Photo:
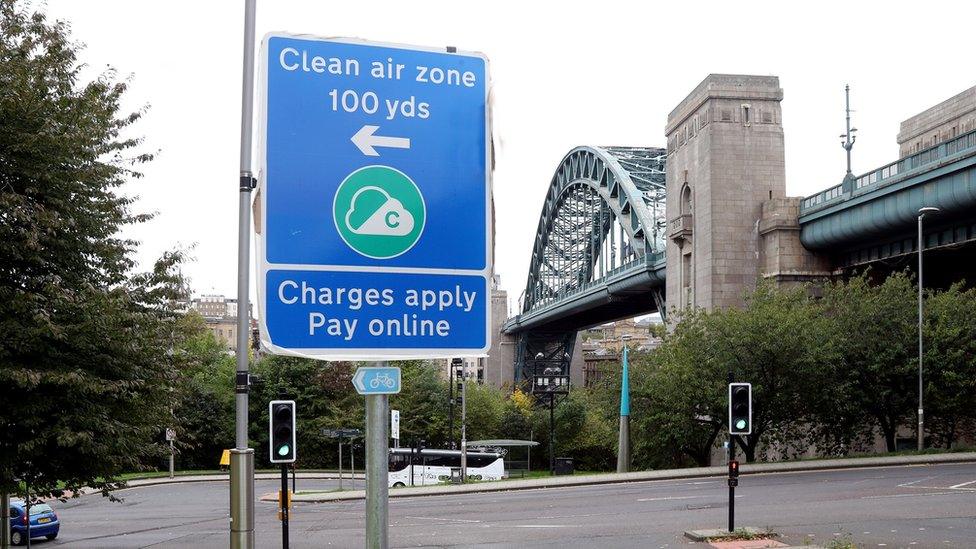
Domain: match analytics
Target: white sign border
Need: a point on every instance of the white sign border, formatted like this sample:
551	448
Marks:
262	265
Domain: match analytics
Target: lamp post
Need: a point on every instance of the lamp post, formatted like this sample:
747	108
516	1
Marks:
921	246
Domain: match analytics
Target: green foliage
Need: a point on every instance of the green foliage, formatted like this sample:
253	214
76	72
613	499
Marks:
204	411
950	364
324	399
772	342
424	405
871	380
85	373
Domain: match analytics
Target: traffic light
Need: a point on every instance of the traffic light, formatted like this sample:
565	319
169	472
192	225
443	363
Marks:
281	431
740	408
733	469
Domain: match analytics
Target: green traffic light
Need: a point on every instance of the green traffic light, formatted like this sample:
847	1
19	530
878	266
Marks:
283	450
740	424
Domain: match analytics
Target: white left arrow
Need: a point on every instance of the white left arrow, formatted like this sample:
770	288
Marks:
365	141
357	381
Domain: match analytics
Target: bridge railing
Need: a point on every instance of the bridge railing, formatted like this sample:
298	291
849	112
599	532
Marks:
562	295
875	178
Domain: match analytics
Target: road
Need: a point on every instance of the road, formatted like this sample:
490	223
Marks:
911	507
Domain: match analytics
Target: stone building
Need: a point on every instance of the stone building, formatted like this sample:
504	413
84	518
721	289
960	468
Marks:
950	118
220	315
498	367
725	159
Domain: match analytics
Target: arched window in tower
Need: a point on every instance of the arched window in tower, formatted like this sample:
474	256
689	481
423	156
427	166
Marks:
686	200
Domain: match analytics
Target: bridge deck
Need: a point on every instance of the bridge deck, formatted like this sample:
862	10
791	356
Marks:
623	292
874	216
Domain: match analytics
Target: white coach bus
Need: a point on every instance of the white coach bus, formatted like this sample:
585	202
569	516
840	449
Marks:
434	466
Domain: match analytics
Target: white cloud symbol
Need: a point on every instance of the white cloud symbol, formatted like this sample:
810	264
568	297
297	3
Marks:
390	219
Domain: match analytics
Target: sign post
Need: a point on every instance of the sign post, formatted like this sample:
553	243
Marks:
377	383
242	457
170	437
395	427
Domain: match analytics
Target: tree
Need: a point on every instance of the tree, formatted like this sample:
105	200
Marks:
85	376
677	397
950	363
204	410
424	403
775	342
874	374
324	399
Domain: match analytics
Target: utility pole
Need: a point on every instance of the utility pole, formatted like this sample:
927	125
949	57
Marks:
623	439
921	247
464	422
242	457
552	435
848	137
5	518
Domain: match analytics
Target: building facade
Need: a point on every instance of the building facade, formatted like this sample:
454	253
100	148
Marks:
220	315
725	159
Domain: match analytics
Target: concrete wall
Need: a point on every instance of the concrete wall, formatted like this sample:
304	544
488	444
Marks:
782	257
725	158
950	118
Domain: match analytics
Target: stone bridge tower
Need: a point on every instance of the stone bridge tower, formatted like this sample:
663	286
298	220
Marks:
725	160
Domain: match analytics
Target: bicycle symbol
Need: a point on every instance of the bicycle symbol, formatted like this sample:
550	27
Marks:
383	379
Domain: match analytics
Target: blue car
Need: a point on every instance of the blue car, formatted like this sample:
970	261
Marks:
44	522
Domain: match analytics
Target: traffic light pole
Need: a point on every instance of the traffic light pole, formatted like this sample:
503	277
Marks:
242	457
464	422
450	435
283	501
731	459
732	486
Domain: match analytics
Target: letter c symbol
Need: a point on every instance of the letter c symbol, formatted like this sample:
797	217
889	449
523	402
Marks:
395	222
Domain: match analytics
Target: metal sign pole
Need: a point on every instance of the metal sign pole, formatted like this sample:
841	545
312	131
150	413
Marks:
377	471
242	457
171	464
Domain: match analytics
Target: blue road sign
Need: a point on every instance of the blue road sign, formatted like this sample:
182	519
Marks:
377	380
374	235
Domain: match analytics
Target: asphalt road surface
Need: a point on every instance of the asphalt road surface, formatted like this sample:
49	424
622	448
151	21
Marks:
911	507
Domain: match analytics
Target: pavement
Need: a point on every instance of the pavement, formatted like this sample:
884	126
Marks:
224	476
906	506
636	476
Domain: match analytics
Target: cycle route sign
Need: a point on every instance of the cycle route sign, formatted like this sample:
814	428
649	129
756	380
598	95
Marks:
374	200
377	380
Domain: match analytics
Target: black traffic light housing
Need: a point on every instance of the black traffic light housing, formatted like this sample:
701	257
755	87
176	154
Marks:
740	408
733	469
281	431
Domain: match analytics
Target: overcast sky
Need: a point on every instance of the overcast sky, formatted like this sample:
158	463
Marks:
563	74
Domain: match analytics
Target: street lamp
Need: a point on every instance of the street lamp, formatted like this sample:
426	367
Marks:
921	246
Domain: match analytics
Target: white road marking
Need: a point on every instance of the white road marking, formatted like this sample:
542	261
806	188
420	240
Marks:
444	519
960	485
545	526
668	498
908	495
907	484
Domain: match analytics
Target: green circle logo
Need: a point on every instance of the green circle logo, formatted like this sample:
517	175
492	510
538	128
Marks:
379	212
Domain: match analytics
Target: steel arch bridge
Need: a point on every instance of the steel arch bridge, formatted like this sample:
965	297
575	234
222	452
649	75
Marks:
598	253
